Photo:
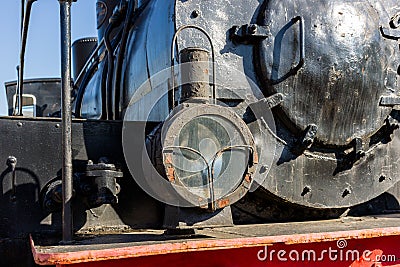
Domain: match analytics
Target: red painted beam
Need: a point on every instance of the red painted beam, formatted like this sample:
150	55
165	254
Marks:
293	256
359	248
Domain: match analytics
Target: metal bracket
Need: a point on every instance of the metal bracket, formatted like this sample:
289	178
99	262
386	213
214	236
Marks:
308	139
358	148
274	100
392	123
309	136
389	101
249	33
104	177
270	102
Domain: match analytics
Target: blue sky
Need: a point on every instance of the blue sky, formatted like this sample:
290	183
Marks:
43	47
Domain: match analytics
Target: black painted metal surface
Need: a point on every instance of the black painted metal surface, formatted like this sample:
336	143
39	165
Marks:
35	143
81	50
326	69
348	66
332	135
328	79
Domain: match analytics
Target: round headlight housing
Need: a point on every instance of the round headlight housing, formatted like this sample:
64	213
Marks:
208	154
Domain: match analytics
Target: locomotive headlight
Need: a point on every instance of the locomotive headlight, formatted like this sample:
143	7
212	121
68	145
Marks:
208	154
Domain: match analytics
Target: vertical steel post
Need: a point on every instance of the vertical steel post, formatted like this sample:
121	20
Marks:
67	186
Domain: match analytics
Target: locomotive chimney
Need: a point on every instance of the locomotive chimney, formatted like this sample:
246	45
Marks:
81	51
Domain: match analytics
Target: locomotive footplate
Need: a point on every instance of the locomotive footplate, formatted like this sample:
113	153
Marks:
348	241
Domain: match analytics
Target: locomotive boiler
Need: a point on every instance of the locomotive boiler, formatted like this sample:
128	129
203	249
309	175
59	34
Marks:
198	114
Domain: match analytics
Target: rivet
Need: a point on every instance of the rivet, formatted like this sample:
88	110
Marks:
19	124
195	14
306	190
263	169
57	125
346	192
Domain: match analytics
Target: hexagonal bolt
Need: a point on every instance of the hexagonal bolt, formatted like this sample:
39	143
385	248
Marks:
252	28
11	161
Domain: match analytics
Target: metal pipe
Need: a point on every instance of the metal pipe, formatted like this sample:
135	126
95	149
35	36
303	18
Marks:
14	108
67	183
129	20
22	15
24	37
115	21
17	89
110	70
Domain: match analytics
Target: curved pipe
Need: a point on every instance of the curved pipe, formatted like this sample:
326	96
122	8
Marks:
110	70
173	59
110	46
132	8
24	36
82	87
115	20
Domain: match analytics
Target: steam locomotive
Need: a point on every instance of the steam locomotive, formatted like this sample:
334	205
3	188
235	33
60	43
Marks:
193	114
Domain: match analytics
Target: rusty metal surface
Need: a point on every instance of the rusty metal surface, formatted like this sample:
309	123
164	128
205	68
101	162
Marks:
195	76
171	132
153	243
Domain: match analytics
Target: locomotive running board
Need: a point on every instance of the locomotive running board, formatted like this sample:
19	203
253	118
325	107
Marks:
350	241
